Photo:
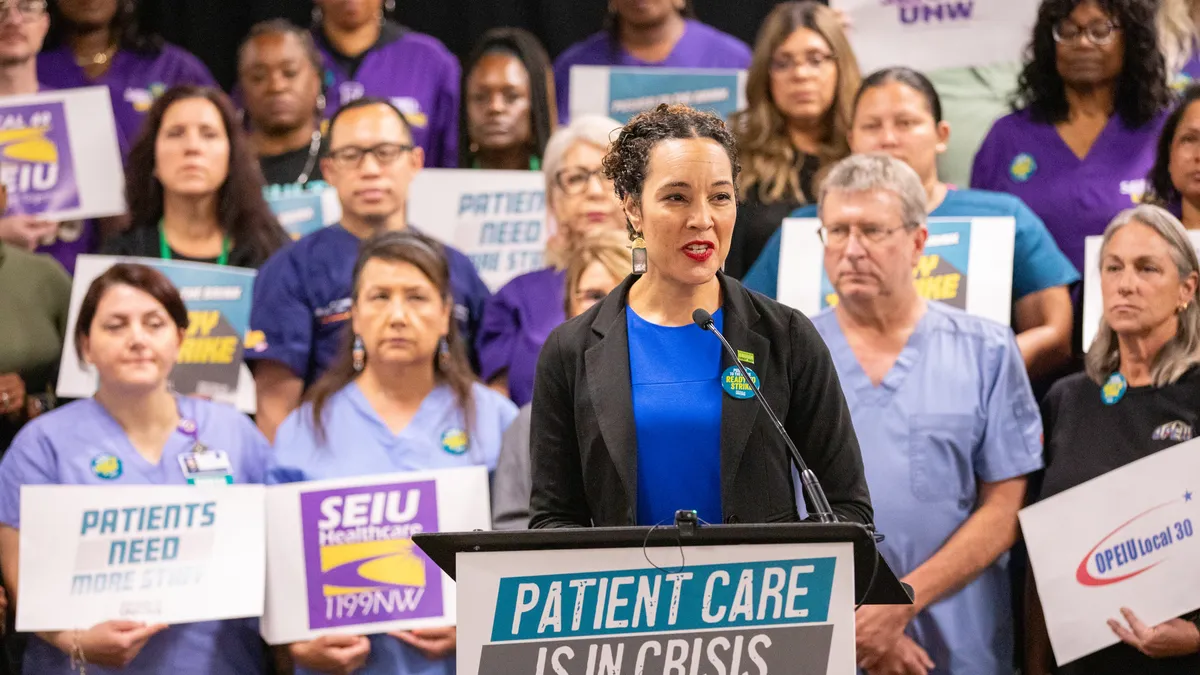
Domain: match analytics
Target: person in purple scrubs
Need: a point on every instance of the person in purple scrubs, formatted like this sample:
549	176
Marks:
800	99
368	55
1093	96
134	431
1174	182
99	42
508	102
662	33
519	317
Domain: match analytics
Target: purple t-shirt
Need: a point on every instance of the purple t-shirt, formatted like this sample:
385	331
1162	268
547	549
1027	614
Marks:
1076	198
419	76
134	80
701	46
516	322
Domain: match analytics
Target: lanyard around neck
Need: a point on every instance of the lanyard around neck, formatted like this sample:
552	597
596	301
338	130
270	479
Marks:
164	251
535	163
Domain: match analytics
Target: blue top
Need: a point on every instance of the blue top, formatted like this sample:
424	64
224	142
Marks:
955	410
675	374
363	445
1038	263
61	447
516	322
302	301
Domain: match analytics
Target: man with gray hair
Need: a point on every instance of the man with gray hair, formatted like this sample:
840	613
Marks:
947	422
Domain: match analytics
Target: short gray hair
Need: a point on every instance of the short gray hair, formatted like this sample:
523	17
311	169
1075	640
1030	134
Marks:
594	129
1182	351
864	173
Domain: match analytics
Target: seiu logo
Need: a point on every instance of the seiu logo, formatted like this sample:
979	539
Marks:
361	510
920	11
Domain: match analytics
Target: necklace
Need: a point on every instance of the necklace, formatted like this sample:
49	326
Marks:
314	148
97	59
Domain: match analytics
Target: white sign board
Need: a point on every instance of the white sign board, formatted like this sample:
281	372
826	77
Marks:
933	34
496	218
622	92
91	554
761	609
341	559
60	159
1124	539
967	264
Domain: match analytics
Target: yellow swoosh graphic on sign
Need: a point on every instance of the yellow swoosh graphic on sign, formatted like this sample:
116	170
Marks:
388	562
28	145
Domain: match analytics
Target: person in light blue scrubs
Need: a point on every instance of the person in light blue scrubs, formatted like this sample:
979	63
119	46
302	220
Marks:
948	427
134	431
399	397
897	112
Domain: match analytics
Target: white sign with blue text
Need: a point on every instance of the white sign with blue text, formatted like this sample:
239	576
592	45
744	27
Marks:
1124	539
497	218
763	610
622	92
158	554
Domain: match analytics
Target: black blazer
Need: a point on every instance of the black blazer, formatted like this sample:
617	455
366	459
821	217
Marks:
584	444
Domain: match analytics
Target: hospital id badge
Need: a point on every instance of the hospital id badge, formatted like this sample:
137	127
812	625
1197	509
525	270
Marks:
208	467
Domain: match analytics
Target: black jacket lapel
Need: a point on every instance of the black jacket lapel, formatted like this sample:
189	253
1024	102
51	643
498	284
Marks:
738	415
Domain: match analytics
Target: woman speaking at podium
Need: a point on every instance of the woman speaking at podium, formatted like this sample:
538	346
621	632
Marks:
637	411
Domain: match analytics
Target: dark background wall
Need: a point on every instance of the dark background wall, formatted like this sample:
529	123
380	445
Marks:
212	29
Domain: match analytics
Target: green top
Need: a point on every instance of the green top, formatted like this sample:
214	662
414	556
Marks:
972	99
35	292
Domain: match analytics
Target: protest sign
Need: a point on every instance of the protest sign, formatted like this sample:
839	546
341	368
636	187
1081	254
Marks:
303	209
622	92
211	358
157	554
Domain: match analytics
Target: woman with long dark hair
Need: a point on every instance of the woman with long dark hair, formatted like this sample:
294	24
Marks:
194	188
508	102
99	42
1174	181
400	397
1092	98
660	33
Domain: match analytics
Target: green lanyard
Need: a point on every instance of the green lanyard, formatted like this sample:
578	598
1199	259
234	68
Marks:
164	251
535	163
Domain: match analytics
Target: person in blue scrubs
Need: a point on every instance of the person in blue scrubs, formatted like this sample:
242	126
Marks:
897	112
134	431
302	295
948	427
400	397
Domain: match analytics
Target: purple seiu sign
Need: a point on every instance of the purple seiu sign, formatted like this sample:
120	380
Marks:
35	159
360	562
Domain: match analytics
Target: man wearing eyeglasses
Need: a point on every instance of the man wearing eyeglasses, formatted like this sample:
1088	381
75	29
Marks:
947	423
302	294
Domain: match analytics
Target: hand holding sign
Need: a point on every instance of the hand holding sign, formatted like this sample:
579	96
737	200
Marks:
1175	637
333	654
111	644
434	643
25	231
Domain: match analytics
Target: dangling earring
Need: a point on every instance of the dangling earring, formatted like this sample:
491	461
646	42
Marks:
320	105
360	354
443	351
639	255
389	7
317	16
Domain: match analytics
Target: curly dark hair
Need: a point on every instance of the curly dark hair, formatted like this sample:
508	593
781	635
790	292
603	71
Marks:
241	209
629	156
1142	90
1160	189
125	27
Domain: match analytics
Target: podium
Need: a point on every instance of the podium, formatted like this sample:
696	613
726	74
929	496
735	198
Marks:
678	600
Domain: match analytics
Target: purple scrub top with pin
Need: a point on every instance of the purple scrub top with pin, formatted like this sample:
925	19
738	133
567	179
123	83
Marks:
1076	198
134	81
701	46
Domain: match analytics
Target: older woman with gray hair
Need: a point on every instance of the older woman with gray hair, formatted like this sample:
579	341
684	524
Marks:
1139	394
518	318
947	423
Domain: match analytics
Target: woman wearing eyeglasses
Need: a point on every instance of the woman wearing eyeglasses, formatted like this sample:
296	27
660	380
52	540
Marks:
1094	95
517	320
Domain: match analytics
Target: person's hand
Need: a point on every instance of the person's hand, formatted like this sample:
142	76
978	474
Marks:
907	658
877	628
333	654
112	644
25	231
12	393
1175	637
434	643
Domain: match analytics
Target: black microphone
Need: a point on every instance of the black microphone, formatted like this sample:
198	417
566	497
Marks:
812	487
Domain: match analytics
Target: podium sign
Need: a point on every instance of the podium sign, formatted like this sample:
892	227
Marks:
772	608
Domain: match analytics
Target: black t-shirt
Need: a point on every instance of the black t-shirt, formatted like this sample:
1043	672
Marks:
1085	438
286	168
389	32
144	242
757	220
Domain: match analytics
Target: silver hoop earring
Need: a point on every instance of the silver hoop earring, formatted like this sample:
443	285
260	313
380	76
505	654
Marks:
389	7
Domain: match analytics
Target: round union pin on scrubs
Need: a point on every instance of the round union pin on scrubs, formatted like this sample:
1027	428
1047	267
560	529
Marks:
107	467
735	384
454	441
1113	389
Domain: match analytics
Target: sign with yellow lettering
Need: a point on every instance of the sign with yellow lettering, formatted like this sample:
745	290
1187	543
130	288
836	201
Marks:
210	360
967	264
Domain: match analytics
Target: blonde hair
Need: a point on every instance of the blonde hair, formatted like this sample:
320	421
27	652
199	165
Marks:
768	157
610	248
596	130
1182	352
1176	33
